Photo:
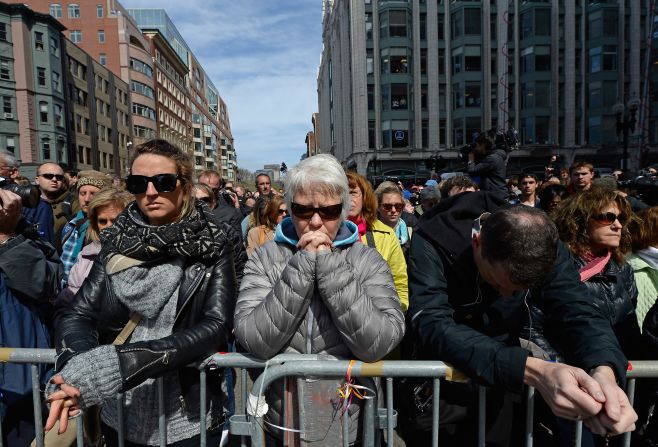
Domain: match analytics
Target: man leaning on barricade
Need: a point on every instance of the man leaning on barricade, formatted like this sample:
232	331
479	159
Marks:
30	272
471	274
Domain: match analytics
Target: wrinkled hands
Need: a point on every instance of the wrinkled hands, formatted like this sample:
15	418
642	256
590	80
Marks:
573	394
64	403
314	241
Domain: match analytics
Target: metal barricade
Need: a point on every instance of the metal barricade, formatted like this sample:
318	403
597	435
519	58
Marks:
375	419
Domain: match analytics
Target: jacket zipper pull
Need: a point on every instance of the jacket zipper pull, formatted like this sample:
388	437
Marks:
182	402
165	359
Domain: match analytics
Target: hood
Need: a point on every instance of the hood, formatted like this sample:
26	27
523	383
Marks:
90	250
348	233
448	225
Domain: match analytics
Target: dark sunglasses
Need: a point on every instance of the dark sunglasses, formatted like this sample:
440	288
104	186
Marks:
205	199
609	218
58	177
282	211
137	184
389	206
330	212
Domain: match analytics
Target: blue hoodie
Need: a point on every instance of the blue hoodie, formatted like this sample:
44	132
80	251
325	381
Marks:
348	233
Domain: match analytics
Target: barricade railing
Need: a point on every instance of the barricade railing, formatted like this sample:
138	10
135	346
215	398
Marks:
250	426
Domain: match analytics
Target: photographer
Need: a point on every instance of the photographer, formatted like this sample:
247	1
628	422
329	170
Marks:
488	161
226	210
25	311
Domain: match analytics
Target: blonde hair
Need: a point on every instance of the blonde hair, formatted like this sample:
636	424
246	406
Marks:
115	197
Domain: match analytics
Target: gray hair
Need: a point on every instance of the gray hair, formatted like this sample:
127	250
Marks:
430	193
8	158
387	188
322	173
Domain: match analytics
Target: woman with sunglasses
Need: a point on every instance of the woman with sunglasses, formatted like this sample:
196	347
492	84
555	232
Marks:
390	206
204	193
275	211
168	265
374	233
103	211
316	290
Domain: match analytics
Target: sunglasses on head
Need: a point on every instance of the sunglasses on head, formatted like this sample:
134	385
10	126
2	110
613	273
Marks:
330	212
137	184
609	218
389	206
58	177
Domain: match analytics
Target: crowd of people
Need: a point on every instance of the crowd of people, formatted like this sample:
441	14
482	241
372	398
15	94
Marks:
548	282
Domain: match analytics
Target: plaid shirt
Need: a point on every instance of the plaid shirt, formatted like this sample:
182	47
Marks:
73	236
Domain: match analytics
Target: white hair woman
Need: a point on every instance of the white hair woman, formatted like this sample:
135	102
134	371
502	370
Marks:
317	290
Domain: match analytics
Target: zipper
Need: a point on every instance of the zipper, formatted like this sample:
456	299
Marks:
182	403
192	289
309	328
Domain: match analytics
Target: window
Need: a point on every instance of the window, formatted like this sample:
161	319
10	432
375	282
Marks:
56	10
393	23
457	22
371	134
370	61
46	150
102	59
41	76
423	26
542	94
5	69
423	96
458	97
74	11
6	105
142	89
542	62
368	25
75	36
610	57
472	94
59	115
399	99
54	46
43	112
3	31
371	97
423	61
542	22
137	65
55	81
101	36
457	63
38	41
472	22
99	11
147	112
472	63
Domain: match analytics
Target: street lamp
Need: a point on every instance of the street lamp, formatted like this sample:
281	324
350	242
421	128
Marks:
626	122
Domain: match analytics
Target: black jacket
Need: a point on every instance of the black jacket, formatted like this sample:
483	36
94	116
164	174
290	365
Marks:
491	170
614	293
229	215
203	323
459	319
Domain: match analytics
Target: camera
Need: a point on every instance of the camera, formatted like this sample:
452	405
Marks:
226	195
29	194
464	151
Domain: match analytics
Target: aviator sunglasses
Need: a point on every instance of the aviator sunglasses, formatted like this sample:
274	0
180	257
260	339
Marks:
609	218
330	212
137	184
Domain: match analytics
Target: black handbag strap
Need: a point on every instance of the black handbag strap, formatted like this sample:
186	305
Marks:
370	239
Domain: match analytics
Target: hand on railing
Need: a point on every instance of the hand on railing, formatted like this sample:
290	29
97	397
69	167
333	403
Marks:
63	404
617	415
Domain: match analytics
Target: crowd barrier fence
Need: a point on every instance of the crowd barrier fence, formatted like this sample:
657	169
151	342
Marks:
250	427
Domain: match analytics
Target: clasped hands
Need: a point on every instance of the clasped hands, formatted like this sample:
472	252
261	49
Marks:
594	398
314	241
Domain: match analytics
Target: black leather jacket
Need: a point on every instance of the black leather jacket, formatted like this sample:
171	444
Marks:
614	293
203	323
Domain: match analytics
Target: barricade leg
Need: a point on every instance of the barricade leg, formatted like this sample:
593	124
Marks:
161	411
243	396
202	406
529	415
630	392
482	416
436	399
369	421
345	424
80	431
36	401
257	432
578	434
121	429
389	412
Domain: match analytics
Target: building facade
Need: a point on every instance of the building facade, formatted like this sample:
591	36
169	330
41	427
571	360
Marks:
208	136
403	80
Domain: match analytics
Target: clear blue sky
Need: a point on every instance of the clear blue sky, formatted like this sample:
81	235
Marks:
263	56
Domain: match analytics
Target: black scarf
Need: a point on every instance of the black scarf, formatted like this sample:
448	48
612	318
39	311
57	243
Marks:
196	236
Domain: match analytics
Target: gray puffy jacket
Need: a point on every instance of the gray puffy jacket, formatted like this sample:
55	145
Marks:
341	303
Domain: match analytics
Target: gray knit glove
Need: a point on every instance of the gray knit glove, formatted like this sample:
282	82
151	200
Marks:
96	374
